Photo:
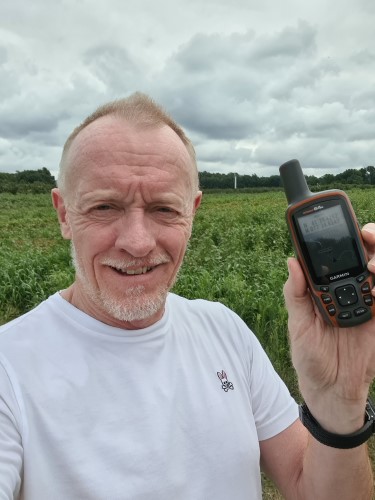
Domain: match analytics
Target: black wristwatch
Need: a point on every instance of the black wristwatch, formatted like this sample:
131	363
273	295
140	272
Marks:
343	441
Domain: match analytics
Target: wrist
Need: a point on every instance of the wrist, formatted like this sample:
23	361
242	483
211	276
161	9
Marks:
339	418
339	440
341	414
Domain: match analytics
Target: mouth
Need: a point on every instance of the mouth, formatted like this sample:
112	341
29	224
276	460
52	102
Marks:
134	267
132	272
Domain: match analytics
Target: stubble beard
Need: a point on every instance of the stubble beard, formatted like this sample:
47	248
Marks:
133	305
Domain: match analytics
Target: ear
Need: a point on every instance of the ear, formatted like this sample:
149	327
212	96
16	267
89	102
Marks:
197	201
59	205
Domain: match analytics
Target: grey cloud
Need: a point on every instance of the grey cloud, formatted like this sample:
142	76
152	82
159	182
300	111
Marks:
36	101
363	57
290	43
249	99
213	115
227	80
13	126
204	54
21	154
313	153
113	66
272	90
219	151
3	55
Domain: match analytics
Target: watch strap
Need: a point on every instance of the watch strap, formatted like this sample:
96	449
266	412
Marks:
342	441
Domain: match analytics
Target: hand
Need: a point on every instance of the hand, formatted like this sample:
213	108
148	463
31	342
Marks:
335	366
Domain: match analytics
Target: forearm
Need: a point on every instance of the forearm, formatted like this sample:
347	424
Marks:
330	473
334	452
335	367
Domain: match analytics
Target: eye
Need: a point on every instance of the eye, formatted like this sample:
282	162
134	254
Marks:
103	210
103	207
165	213
165	210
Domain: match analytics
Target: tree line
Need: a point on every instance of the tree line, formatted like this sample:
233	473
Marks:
42	181
359	177
27	181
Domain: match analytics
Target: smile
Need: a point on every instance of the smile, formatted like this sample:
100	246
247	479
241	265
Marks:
140	270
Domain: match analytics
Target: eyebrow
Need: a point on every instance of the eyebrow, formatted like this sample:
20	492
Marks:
113	196
101	194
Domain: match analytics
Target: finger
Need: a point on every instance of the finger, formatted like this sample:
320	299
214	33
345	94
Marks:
368	235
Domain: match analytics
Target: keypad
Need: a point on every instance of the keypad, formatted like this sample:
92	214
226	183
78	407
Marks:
347	297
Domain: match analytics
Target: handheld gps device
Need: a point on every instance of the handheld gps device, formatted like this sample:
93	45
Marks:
328	244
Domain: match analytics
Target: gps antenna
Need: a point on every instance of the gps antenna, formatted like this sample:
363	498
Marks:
294	182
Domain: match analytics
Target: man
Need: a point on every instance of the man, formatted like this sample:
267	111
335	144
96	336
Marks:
116	388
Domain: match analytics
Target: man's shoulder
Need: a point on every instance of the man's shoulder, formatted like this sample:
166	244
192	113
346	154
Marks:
32	319
205	311
205	324
197	305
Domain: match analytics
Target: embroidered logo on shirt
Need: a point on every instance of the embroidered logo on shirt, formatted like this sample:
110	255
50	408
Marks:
225	384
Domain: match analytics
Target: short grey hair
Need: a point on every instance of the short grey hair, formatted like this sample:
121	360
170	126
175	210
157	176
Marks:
138	109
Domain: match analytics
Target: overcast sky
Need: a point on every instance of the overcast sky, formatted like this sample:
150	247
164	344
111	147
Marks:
254	82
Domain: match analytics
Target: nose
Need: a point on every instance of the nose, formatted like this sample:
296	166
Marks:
135	234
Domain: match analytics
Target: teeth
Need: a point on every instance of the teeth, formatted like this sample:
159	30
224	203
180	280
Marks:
141	270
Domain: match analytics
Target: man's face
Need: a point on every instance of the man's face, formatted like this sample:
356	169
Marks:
128	210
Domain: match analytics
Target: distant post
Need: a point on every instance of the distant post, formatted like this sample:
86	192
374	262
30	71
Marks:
235	181
370	172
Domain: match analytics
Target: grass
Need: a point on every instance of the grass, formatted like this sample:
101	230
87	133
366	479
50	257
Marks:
237	255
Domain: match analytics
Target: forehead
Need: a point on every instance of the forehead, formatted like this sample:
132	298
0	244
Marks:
111	141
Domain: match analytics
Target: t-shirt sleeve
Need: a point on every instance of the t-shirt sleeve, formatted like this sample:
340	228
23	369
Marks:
11	451
274	408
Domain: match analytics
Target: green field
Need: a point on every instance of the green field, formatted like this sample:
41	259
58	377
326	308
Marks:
237	255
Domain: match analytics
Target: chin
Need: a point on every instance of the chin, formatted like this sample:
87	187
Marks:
137	306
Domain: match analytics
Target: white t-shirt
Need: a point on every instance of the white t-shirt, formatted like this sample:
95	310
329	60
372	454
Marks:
173	411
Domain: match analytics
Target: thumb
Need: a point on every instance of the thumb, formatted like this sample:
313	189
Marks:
298	300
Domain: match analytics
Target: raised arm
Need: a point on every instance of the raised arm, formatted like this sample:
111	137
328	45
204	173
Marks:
335	368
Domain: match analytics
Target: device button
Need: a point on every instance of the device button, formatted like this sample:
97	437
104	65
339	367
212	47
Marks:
327	299
367	300
324	288
366	287
345	315
360	311
360	278
331	310
346	295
